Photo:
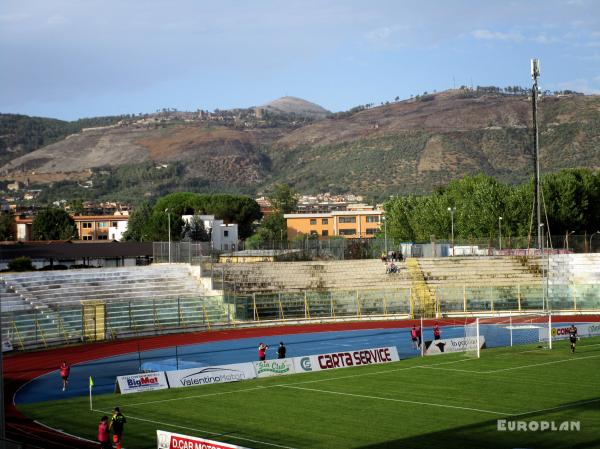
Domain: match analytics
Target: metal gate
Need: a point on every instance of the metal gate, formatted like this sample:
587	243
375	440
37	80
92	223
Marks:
94	320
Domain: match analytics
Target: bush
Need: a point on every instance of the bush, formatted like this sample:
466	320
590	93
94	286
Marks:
21	264
54	267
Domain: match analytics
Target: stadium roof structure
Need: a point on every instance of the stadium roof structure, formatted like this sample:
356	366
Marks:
69	250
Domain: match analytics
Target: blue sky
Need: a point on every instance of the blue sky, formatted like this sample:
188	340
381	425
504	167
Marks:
70	59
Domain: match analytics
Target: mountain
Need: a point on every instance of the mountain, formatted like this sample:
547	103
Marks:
410	146
298	106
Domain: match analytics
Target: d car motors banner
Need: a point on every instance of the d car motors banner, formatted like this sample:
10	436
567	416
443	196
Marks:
562	333
168	440
211	375
346	359
135	383
453	345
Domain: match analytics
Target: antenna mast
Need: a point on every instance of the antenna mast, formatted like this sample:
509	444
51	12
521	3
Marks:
535	73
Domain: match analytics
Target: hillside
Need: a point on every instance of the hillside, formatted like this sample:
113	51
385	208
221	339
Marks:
298	106
21	134
408	146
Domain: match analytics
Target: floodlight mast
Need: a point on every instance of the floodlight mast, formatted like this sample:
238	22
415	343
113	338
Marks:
535	73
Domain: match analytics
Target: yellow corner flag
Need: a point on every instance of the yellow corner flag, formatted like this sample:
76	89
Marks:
91	382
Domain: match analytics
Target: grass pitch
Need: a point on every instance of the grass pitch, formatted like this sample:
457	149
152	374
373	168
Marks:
445	401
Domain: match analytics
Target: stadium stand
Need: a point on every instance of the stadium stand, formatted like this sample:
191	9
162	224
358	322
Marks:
11	301
63	287
573	280
300	276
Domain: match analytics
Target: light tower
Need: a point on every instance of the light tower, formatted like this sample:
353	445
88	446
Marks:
535	73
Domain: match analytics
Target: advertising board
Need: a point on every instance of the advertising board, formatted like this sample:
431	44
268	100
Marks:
347	359
211	375
169	440
135	383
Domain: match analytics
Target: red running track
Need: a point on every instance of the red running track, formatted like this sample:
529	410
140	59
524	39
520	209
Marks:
20	368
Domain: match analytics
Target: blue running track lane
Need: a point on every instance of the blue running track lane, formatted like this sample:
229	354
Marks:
104	371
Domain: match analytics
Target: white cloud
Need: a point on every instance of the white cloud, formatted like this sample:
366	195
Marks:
386	36
483	34
56	19
545	39
13	18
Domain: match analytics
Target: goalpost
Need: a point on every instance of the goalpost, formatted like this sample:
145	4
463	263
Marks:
509	330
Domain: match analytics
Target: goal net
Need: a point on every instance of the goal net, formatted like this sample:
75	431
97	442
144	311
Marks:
447	335
509	330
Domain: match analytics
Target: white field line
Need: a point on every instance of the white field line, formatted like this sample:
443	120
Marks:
197	396
221	393
541	364
559	407
500	370
206	432
405	401
579	349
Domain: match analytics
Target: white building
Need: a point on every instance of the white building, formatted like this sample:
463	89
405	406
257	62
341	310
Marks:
223	236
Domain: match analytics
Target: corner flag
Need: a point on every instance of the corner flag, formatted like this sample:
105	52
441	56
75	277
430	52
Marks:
91	385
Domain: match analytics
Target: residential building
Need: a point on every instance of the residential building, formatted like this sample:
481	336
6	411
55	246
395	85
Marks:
223	236
348	224
89	227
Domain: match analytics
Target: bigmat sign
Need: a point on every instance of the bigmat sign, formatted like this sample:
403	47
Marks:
276	367
562	333
135	383
211	375
334	360
453	345
168	440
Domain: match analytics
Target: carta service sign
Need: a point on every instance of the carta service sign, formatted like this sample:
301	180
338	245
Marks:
334	360
168	440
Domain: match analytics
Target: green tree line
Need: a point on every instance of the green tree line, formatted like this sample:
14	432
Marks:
152	223
571	202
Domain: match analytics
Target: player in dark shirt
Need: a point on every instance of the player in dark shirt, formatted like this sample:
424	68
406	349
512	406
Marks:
573	337
117	423
281	351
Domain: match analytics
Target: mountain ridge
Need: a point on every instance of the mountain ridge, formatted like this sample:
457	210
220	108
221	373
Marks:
410	146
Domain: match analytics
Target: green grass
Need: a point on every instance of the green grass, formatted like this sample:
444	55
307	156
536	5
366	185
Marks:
448	401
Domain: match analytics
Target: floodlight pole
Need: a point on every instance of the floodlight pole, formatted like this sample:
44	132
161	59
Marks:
169	231
535	73
500	232
385	234
452	210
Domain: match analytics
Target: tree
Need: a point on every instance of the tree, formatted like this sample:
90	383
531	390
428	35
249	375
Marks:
76	207
194	230
137	222
239	209
283	198
159	224
53	224
6	227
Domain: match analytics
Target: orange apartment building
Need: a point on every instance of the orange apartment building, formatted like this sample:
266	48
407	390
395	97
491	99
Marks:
89	227
349	224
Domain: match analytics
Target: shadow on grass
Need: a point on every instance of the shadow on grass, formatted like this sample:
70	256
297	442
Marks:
485	435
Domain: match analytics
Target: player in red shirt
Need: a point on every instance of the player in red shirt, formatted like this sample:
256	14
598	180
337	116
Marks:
436	332
262	351
104	434
414	336
65	370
